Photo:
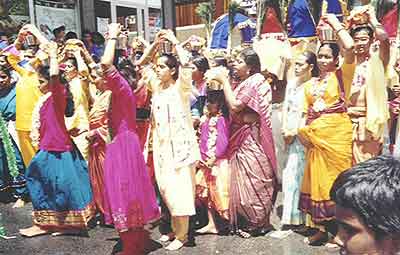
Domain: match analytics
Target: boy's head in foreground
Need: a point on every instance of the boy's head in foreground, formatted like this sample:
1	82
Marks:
368	207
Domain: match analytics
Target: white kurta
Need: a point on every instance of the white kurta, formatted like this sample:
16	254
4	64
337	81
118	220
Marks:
175	149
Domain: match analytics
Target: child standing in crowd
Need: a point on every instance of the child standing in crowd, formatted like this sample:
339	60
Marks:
213	176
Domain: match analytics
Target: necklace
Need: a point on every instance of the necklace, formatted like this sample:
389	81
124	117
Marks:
318	91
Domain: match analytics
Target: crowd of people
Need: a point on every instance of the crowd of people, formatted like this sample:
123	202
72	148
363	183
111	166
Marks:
168	134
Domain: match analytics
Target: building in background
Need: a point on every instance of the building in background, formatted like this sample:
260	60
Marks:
139	17
186	11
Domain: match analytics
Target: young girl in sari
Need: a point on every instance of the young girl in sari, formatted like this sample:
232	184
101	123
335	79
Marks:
57	176
213	176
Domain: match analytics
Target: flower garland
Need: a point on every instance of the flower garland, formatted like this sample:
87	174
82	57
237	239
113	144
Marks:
2	228
8	148
318	91
35	132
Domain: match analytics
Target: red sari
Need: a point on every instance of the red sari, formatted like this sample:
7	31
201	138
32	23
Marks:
143	96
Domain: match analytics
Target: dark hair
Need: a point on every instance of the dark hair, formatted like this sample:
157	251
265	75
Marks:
311	59
333	46
220	61
172	62
201	63
58	30
252	60
74	62
367	29
85	32
372	190
5	70
218	97
70	35
44	71
127	70
98	38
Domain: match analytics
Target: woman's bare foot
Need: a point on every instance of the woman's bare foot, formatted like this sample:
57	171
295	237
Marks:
209	229
19	203
33	231
317	240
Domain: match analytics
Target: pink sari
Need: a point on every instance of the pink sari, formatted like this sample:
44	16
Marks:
130	193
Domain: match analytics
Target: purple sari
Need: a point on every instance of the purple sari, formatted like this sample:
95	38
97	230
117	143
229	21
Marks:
130	193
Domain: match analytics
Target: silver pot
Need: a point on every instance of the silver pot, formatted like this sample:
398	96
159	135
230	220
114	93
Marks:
30	40
166	47
327	34
122	42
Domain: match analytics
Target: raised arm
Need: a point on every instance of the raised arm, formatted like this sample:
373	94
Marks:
345	39
234	104
148	54
82	67
381	36
114	30
183	55
29	29
51	50
150	50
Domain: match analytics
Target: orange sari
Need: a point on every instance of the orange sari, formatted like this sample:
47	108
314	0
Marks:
98	122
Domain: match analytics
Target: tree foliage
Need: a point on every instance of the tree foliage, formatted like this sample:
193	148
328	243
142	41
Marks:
205	11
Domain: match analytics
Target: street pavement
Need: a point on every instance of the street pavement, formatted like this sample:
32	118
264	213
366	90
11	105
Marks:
104	241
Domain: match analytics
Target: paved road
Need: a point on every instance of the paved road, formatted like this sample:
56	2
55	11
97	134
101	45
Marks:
102	241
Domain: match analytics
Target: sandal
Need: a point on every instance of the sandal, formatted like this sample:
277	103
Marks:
243	234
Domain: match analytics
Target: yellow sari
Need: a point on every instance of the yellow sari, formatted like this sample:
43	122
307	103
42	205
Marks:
331	153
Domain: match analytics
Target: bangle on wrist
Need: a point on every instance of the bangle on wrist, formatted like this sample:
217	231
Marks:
114	38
